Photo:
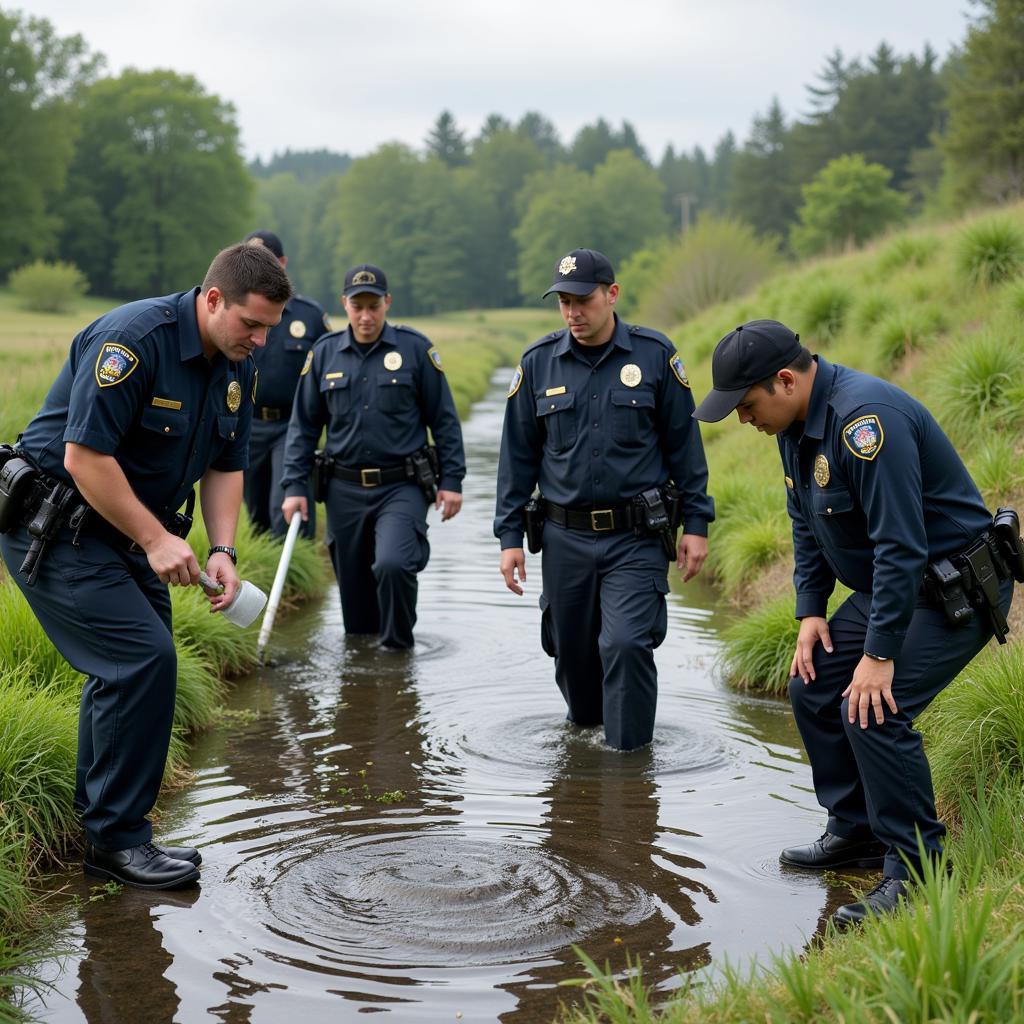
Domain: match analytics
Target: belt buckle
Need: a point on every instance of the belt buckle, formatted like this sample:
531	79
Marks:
595	524
366	477
268	414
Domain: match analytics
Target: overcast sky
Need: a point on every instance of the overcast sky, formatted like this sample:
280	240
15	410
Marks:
347	76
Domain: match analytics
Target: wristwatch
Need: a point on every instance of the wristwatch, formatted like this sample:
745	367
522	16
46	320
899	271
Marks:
875	657
230	552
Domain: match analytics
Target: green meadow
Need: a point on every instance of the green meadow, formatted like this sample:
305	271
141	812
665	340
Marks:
39	691
940	312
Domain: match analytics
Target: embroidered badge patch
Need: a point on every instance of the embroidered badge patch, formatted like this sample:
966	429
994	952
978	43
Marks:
234	396
517	380
327	322
822	474
864	437
393	361
435	358
630	375
676	362
114	364
789	482
567	266
307	364
297	329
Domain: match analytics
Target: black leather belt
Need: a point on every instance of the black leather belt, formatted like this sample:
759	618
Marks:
263	412
595	520
371	476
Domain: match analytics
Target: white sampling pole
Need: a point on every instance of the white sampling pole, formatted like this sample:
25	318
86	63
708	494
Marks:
278	588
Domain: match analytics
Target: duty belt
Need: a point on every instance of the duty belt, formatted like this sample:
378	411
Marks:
271	415
594	520
371	476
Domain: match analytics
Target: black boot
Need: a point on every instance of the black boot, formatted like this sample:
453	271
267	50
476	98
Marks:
883	899
143	866
189	853
832	851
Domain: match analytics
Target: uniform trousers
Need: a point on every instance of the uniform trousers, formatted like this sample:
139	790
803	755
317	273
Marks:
263	491
377	538
877	780
108	614
603	614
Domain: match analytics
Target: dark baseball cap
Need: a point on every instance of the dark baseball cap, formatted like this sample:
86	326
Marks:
580	272
365	278
267	238
753	352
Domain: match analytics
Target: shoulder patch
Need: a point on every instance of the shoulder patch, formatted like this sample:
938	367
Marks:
435	359
516	382
676	362
864	437
114	364
327	323
307	364
789	482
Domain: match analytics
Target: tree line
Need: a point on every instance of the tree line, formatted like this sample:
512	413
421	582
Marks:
136	178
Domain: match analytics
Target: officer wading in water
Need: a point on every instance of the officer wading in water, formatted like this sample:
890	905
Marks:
599	416
278	364
154	396
879	500
377	387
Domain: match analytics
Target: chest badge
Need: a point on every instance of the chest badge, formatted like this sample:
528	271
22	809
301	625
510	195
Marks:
864	437
630	375
234	396
822	474
297	329
393	361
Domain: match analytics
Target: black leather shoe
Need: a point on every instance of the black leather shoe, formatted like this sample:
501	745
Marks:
835	852
143	866
883	899
189	853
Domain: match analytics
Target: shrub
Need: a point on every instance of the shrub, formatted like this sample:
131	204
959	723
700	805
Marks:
825	309
717	260
983	379
991	251
48	287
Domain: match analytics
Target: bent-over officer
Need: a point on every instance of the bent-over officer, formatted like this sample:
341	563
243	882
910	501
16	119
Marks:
881	501
278	364
154	396
598	415
377	387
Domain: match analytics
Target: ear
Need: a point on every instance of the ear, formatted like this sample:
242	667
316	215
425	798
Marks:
213	298
788	380
387	302
613	293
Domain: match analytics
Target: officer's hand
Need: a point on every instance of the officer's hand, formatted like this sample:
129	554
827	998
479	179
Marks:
872	680
693	550
812	629
296	504
222	570
513	568
173	560
450	502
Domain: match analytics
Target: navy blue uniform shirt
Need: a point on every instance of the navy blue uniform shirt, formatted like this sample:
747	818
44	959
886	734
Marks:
136	385
280	361
876	491
376	402
595	436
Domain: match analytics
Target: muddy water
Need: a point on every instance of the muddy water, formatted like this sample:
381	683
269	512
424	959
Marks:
423	836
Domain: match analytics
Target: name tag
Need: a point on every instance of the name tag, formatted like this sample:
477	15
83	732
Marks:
333	376
166	403
554	391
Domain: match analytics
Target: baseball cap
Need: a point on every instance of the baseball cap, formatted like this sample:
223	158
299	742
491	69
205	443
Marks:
753	352
267	238
365	278
580	272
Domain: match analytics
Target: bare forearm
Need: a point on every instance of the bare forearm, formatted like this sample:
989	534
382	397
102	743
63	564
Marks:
221	497
101	481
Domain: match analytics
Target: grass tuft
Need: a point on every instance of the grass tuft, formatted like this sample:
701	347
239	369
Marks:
904	330
991	251
908	251
825	310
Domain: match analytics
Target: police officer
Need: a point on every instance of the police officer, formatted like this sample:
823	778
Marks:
598	415
377	387
877	494
154	396
278	363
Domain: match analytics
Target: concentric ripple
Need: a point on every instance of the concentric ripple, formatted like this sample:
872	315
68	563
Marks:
444	899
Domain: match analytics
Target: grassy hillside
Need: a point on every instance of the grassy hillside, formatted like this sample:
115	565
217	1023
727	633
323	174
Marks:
940	312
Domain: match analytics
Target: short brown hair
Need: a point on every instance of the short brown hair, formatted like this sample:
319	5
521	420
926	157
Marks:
241	269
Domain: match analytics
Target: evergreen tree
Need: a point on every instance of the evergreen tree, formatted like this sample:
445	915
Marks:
542	133
446	142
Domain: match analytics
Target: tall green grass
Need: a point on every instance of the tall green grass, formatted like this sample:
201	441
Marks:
825	310
991	251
